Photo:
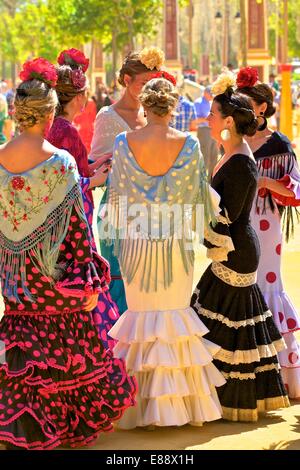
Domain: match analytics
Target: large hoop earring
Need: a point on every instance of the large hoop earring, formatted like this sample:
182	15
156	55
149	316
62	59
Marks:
225	134
263	126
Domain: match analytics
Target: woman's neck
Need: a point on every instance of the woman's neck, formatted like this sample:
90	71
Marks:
129	102
230	146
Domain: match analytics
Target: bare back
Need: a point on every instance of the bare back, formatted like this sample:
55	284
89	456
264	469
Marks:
156	148
24	153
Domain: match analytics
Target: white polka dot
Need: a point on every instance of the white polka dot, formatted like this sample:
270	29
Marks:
133	178
190	186
174	173
179	201
156	199
120	143
131	199
143	194
178	183
187	178
134	190
146	187
170	197
116	152
121	185
167	189
187	167
123	176
126	160
194	162
189	151
181	162
197	172
144	203
130	154
179	192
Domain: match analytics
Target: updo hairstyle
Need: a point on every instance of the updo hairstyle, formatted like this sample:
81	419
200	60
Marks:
261	93
160	96
34	101
240	108
132	66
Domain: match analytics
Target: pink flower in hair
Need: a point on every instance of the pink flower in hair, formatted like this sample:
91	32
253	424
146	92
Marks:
39	69
78	78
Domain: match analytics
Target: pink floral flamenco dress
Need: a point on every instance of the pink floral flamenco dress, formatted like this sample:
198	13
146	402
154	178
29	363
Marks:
58	384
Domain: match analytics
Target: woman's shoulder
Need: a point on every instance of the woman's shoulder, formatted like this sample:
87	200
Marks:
281	143
105	112
242	165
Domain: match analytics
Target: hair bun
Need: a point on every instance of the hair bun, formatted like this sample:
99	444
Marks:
74	58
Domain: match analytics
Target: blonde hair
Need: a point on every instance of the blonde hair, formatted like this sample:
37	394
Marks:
160	96
33	102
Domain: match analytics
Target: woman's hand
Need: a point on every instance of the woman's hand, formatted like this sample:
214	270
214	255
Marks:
91	302
99	162
100	176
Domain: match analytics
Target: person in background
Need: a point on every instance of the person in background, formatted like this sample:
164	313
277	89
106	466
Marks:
126	114
185	115
71	89
274	212
208	145
84	123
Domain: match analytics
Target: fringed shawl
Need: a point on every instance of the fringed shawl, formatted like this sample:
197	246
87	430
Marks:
276	159
146	213
35	209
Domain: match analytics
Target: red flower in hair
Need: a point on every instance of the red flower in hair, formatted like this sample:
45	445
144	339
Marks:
39	69
73	57
247	77
165	75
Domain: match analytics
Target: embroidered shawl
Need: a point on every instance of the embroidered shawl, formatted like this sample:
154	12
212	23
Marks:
148	212
35	209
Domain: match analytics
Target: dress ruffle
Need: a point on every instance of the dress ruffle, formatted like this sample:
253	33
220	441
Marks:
173	366
57	383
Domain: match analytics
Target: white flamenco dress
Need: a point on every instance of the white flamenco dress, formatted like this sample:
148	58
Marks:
160	336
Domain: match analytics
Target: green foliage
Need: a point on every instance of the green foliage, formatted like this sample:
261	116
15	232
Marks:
44	27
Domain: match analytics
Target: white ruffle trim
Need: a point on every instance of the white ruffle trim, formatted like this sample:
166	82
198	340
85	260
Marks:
172	411
182	353
173	366
166	325
250	355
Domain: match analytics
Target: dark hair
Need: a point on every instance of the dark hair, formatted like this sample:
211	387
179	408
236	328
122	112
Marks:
240	108
132	66
261	93
65	88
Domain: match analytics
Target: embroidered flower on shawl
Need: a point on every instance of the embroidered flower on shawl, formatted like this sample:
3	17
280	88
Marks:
74	58
39	69
152	57
247	77
18	183
224	81
14	211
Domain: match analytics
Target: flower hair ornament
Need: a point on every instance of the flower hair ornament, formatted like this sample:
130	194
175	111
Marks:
39	69
247	77
74	58
166	75
224	81
78	63
152	58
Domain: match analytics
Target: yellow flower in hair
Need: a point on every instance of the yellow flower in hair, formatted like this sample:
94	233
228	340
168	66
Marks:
152	57
224	81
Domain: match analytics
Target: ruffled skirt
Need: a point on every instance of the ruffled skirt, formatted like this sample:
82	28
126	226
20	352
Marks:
58	386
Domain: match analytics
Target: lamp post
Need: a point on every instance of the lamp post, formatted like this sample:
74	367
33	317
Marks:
219	20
